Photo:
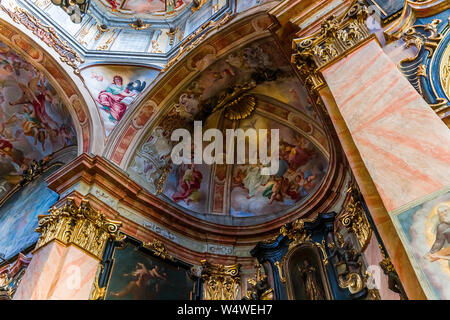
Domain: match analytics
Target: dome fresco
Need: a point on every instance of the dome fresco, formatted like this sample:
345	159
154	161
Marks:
34	123
270	98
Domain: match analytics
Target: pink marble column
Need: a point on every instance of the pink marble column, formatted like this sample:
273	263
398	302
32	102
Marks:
396	145
58	272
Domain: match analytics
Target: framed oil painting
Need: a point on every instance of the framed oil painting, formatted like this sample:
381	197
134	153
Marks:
135	272
424	229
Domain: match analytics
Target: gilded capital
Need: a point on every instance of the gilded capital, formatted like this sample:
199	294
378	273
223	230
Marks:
337	36
82	225
220	282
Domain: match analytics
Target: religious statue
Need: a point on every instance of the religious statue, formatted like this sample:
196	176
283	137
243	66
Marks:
312	287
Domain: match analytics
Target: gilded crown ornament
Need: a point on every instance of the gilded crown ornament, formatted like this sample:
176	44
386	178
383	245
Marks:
82	225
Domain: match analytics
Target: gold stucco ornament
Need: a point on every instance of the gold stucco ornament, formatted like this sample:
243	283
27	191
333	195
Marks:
82	226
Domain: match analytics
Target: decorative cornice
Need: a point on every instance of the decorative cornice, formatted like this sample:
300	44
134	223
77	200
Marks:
83	226
47	35
337	37
220	282
411	11
196	38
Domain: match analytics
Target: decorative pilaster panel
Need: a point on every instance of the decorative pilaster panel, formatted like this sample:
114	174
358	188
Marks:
220	282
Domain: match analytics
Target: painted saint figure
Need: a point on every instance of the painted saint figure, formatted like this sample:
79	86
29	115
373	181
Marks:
111	99
440	248
312	286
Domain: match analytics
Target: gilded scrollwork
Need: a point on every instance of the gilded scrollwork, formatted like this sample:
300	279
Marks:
352	281
427	39
296	233
11	275
280	271
82	225
47	35
220	282
355	220
322	248
98	293
337	36
259	289
422	36
159	249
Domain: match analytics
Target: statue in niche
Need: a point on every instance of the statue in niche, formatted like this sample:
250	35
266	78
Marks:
312	286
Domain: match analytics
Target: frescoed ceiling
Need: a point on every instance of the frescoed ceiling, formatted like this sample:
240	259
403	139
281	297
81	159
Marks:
242	80
34	122
251	87
110	30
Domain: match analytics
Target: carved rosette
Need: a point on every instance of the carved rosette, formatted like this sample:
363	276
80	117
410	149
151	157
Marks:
220	282
338	35
83	226
355	220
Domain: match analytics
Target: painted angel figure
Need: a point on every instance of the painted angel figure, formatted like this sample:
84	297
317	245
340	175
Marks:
138	287
36	94
111	98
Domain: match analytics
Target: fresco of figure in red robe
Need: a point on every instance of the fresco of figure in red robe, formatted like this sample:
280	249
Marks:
189	182
111	98
34	122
